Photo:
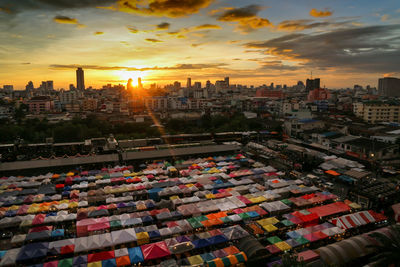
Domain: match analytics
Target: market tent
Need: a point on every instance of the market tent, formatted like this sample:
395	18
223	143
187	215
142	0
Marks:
330	209
135	255
234	232
10	257
33	251
307	256
101	256
251	247
123	236
155	250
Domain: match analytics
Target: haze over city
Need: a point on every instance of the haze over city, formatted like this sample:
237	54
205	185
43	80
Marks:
252	42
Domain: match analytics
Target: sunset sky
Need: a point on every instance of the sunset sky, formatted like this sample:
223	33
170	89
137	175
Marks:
344	42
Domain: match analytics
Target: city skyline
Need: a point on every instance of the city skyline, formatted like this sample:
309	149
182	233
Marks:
253	43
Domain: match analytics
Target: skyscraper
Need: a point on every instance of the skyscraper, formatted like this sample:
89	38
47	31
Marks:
139	82
80	79
312	84
226	81
389	87
189	83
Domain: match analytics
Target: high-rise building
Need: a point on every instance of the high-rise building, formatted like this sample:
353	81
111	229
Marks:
226	82
208	84
29	86
129	85
139	82
197	85
312	84
389	87
80	79
177	85
49	85
8	87
189	83
71	87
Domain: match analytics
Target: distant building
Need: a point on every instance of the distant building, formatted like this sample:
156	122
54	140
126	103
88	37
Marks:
226	81
8	87
274	94
40	104
312	84
197	85
318	94
373	112
80	79
29	86
177	85
139	82
189	83
389	87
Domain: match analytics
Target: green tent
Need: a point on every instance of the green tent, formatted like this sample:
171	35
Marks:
274	239
226	219
302	240
65	262
287	223
244	215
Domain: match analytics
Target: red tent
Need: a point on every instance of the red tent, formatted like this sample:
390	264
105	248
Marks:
309	219
39	219
330	209
307	256
155	250
67	249
101	256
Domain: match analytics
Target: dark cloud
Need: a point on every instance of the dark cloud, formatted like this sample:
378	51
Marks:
320	13
163	26
65	20
277	65
167	8
15	6
246	17
152	40
366	49
175	67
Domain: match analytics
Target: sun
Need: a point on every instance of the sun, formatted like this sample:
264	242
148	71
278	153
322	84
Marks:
126	75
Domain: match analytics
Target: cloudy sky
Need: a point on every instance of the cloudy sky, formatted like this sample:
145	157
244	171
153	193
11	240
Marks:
344	42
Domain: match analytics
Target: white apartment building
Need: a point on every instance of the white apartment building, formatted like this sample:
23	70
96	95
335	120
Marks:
377	112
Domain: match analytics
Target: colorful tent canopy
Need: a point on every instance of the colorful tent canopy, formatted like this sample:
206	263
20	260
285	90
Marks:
155	250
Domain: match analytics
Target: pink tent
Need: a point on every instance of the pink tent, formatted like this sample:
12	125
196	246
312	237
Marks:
155	250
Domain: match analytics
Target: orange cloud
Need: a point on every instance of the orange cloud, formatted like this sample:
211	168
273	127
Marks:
98	33
153	40
206	27
67	20
167	8
246	17
133	29
320	14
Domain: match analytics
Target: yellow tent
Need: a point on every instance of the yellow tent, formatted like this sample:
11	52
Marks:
142	238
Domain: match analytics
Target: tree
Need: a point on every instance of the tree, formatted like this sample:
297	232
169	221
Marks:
387	249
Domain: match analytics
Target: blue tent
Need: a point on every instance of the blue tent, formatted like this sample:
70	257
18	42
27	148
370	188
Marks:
33	251
253	214
135	255
217	239
57	233
293	234
109	263
207	256
147	219
79	260
154	234
201	243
